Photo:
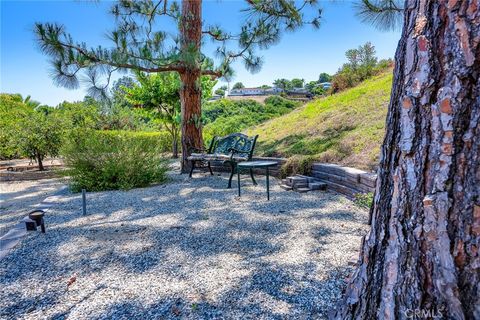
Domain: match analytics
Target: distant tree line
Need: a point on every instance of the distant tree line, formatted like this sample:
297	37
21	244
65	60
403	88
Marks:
361	64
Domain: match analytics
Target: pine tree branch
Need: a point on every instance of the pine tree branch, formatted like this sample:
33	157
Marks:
94	58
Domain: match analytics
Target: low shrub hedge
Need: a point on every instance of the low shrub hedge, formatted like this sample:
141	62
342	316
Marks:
161	139
107	160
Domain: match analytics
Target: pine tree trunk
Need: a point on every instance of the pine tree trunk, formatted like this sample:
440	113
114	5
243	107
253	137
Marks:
191	92
421	258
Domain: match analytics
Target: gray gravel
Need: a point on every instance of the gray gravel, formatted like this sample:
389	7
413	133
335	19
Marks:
188	249
17	198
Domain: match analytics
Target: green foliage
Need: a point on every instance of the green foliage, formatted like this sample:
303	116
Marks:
39	135
283	84
346	128
324	77
221	91
12	111
297	83
362	64
139	44
118	91
382	14
81	114
107	160
159	95
238	85
364	200
315	88
158	92
28	132
224	116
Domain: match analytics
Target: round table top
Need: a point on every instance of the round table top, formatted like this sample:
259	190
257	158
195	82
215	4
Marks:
261	163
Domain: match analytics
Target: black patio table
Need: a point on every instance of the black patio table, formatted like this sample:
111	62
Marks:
253	165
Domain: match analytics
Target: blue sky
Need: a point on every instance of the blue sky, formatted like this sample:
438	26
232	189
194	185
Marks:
302	54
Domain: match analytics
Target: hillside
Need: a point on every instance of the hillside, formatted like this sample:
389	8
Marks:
345	128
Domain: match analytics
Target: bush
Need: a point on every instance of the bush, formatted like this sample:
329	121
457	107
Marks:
161	139
107	160
364	200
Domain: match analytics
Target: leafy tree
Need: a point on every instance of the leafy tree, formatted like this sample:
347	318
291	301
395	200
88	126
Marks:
367	60
311	85
314	88
283	84
221	91
160	93
297	83
324	77
12	110
318	91
362	64
238	85
39	135
265	86
138	44
118	91
86	114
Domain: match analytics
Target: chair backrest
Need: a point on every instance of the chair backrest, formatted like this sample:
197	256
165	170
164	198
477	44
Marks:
238	141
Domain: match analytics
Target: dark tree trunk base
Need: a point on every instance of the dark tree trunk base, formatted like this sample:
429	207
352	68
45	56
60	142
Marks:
422	253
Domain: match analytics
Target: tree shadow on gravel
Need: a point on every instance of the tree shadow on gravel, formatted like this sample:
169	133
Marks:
272	291
191	223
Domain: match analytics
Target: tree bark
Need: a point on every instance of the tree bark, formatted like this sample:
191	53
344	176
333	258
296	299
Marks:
175	142
40	162
421	256
191	91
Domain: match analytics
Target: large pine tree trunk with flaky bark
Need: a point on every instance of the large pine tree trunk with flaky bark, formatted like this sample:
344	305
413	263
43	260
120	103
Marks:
191	91
421	257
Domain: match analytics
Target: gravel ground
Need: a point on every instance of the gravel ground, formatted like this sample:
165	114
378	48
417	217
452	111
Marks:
187	249
17	198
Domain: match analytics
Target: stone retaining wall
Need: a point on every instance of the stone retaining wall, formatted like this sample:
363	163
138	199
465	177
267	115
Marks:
345	180
348	181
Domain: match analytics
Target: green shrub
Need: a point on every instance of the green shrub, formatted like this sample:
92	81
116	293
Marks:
107	160
297	165
364	200
161	139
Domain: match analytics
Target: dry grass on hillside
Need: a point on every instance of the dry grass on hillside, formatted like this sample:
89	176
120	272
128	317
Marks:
345	128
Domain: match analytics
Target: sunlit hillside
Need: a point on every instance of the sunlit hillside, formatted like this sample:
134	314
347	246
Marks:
345	128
